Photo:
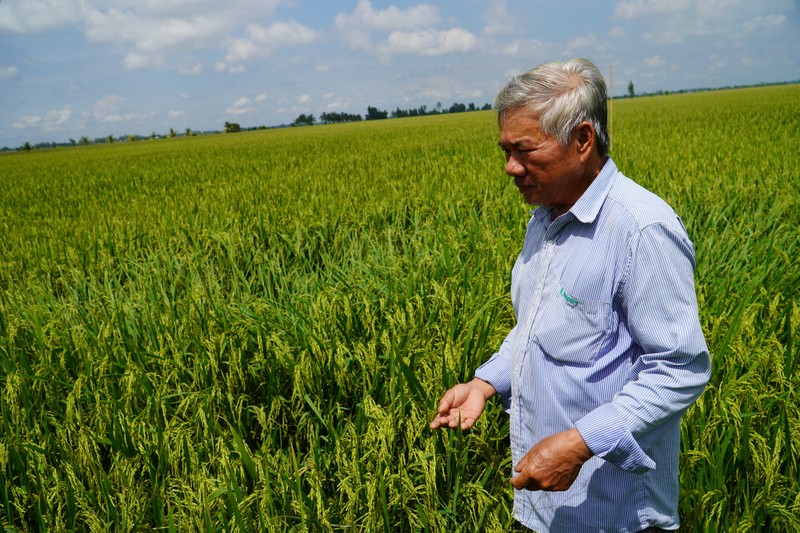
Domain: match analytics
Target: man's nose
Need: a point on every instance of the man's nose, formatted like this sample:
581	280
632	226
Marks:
514	167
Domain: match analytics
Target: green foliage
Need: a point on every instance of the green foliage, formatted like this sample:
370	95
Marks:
251	332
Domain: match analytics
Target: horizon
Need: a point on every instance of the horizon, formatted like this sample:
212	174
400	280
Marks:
75	68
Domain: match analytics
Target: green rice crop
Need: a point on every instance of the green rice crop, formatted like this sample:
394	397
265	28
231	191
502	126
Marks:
251	331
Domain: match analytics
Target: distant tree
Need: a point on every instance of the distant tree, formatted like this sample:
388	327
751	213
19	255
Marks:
333	118
630	89
457	108
232	127
153	135
374	114
189	132
27	146
486	107
131	138
304	120
84	141
110	139
172	133
438	107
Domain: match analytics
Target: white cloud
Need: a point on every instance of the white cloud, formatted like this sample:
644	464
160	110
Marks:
357	27
174	114
240	107
764	22
389	19
7	73
519	46
281	34
192	70
261	97
587	43
430	42
498	21
303	99
654	61
29	17
241	50
56	119
106	110
106	106
52	121
151	32
27	121
136	61
633	9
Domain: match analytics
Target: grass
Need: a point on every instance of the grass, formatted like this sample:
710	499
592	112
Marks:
251	331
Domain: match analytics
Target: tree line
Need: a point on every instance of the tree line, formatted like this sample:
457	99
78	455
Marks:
373	113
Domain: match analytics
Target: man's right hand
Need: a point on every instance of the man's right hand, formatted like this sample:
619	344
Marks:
464	403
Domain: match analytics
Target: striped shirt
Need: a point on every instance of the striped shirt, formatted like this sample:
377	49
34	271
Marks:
607	341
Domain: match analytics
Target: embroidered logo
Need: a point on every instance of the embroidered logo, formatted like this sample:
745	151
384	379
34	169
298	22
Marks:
567	298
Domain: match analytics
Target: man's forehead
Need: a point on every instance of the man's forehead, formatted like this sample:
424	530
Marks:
517	125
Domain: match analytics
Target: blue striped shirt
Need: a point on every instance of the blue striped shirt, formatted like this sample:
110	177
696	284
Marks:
607	341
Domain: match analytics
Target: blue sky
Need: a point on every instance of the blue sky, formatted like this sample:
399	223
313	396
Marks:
74	68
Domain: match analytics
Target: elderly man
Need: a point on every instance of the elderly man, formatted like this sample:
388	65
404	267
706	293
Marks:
607	352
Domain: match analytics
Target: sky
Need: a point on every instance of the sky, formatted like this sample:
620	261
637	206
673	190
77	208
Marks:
75	68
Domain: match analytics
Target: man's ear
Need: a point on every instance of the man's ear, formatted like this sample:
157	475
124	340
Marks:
585	138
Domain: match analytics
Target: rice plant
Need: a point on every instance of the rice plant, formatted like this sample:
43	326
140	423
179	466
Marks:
251	331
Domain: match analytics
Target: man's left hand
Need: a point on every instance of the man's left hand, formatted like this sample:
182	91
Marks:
553	464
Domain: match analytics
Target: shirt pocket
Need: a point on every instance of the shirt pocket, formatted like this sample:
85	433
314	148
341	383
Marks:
571	330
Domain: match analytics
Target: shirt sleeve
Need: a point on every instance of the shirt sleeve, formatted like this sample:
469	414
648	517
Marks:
659	304
497	370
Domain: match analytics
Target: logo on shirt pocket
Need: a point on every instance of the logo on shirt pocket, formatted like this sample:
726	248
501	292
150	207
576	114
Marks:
572	330
567	298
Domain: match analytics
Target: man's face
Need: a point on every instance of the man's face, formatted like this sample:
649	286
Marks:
545	172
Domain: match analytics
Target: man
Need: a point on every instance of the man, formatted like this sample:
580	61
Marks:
607	352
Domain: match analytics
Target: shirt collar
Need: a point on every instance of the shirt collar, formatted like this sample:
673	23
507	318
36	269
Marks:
588	205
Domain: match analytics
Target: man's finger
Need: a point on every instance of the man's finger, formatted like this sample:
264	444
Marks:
522	481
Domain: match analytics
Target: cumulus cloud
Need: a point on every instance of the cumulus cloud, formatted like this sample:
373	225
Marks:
192	70
402	31
764	22
676	21
152	32
389	19
261	41
654	61
107	110
498	21
240	107
7	73
55	120
27	121
52	120
588	42
430	42
31	17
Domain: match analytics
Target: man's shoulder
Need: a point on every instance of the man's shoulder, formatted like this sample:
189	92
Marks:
640	206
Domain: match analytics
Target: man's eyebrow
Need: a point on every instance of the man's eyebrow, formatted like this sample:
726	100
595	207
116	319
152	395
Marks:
513	144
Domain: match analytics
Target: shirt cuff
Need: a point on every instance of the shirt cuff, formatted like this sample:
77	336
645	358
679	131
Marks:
608	438
498	373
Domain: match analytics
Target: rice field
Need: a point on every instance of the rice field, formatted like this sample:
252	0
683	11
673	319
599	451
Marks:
251	331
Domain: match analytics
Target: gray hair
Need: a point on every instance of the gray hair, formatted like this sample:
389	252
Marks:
562	96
